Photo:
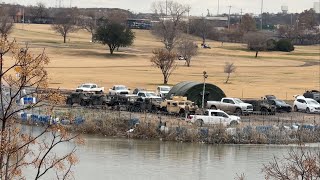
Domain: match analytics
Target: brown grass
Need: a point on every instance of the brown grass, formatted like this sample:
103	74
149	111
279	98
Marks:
79	61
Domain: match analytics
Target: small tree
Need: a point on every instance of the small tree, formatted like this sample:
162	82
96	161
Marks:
284	45
202	28
39	12
247	24
114	35
6	22
256	41
65	22
89	23
297	164
187	49
165	61
228	69
22	149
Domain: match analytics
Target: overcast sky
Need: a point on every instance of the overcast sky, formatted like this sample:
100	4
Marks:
198	7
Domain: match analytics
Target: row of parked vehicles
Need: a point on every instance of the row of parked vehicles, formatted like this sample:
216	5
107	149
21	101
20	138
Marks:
161	91
140	100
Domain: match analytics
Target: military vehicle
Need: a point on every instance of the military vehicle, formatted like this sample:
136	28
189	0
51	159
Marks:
261	107
145	105
98	100
313	94
80	98
178	105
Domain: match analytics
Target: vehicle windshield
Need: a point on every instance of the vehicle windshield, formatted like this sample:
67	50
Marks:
149	94
165	89
312	102
280	102
121	88
238	101
86	86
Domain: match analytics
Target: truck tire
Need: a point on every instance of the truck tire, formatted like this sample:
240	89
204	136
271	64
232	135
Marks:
233	123
83	103
199	122
238	111
264	111
213	107
69	102
181	113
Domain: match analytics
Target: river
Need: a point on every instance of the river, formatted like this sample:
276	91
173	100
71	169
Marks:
106	158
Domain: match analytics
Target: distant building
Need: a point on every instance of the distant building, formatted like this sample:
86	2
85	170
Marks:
284	9
316	7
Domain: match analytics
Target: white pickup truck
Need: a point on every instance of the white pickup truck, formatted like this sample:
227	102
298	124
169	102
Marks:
214	117
231	105
90	87
119	89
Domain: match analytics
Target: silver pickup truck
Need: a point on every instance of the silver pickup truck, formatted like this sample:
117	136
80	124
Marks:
231	105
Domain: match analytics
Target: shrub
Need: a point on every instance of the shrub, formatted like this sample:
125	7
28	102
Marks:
271	45
285	45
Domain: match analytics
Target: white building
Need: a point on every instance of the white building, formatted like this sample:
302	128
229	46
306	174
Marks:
316	7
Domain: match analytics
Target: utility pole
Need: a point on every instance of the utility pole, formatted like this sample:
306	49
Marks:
166	7
229	17
205	76
218	7
241	16
261	14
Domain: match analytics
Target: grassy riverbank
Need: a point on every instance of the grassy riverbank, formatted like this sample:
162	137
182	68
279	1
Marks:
252	130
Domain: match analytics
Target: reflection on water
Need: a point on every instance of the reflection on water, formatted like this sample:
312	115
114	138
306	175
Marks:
133	159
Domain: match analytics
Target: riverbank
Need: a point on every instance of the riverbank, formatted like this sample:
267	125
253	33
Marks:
278	129
282	128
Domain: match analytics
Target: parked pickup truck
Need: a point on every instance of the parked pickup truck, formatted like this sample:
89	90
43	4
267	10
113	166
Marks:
214	117
90	87
231	105
118	90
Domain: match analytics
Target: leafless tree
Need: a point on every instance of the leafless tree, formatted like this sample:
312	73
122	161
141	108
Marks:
6	22
202	28
165	61
297	164
39	11
229	68
89	22
247	24
65	22
256	41
22	149
170	25
187	49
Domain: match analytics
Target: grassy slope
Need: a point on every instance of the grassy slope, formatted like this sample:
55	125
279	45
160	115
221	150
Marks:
79	61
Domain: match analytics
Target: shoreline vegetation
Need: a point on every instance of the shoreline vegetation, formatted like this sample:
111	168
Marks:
252	130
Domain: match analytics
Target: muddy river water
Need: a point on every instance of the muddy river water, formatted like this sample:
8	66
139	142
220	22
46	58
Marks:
107	158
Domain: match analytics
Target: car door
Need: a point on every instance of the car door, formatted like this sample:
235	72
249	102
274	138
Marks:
226	105
299	104
220	118
304	104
